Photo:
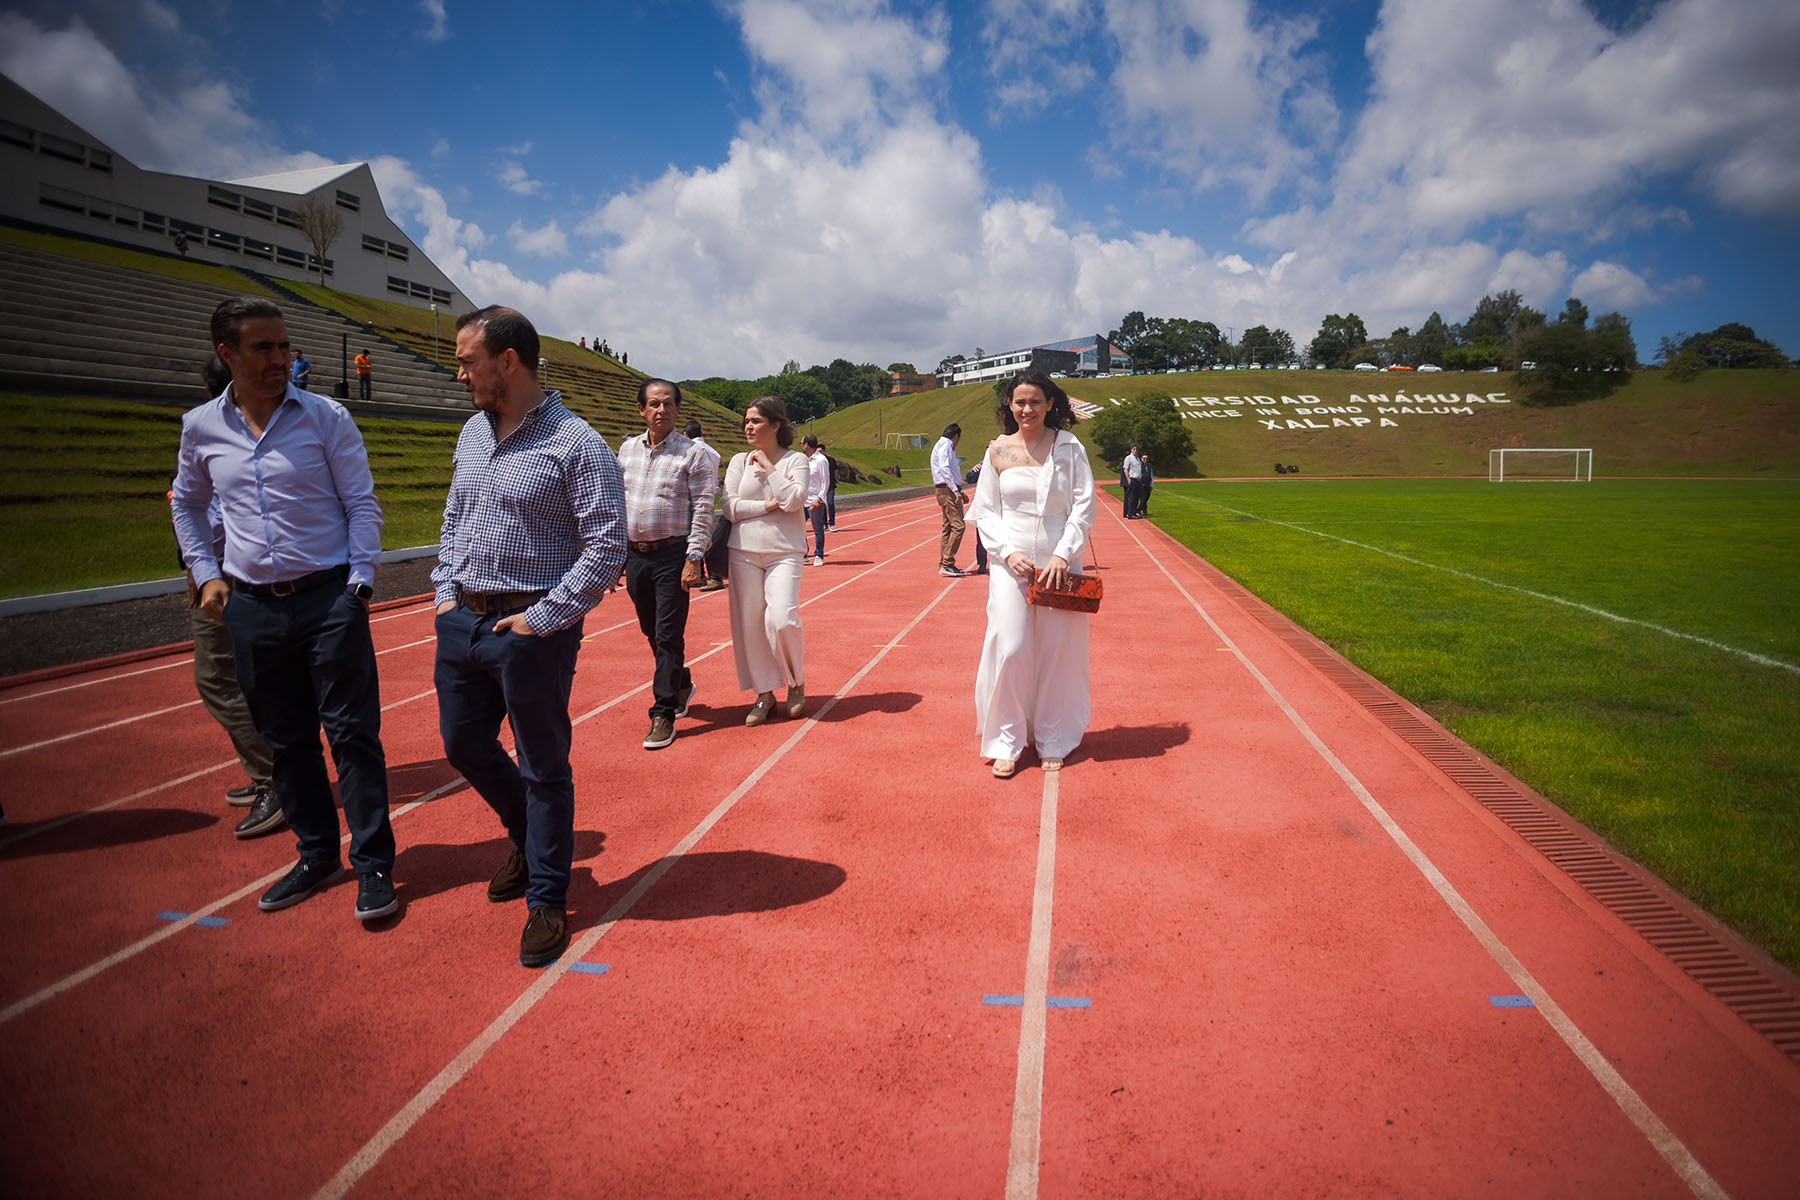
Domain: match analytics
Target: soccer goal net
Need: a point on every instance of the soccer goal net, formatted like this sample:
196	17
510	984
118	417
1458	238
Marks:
905	441
1521	464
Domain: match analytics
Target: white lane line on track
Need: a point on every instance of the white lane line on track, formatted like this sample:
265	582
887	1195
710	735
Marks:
1761	659
180	660
119	956
1659	1135
56	823
142	944
409	1115
1023	1150
7	753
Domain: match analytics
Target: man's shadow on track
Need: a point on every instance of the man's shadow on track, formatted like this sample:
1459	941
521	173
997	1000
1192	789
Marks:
97	831
1131	741
424	869
711	884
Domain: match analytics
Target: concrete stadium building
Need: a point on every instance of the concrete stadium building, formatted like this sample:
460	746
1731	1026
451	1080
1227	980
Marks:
56	175
1092	355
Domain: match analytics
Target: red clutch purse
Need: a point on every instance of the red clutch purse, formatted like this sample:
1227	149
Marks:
1079	593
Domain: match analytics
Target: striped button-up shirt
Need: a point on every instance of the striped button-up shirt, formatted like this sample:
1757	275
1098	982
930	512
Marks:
541	510
669	490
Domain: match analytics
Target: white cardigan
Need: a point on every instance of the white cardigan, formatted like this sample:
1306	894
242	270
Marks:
756	528
1069	475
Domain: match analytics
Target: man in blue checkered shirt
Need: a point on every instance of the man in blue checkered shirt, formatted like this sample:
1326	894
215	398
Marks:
533	537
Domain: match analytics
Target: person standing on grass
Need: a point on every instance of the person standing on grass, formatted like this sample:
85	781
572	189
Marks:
1133	470
669	482
818	483
533	537
365	372
1146	481
710	582
302	539
947	485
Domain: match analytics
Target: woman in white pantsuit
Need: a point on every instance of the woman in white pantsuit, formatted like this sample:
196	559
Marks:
765	495
1033	508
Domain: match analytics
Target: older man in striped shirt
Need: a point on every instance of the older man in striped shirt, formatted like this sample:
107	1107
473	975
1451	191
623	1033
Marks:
669	481
533	537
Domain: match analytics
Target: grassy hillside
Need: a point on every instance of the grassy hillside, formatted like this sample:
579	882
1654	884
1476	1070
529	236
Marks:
1719	423
137	260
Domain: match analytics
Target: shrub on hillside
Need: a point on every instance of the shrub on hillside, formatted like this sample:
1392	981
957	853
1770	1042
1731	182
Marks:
1150	420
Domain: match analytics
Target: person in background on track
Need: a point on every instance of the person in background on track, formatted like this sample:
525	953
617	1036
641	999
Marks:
1146	481
302	539
365	371
533	537
302	370
818	485
709	581
831	477
1033	507
215	676
669	482
765	495
947	485
972	477
1133	472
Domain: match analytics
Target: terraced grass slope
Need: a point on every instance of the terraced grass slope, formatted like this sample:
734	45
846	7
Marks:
1722	423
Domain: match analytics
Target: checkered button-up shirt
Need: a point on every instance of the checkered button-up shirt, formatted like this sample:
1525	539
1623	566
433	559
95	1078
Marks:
542	510
669	490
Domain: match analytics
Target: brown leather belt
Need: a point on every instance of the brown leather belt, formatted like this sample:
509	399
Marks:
496	604
658	544
287	587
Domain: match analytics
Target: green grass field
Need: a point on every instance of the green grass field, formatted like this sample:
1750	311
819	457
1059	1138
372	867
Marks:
1487	605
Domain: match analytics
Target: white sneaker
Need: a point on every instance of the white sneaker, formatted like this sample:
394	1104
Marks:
818	560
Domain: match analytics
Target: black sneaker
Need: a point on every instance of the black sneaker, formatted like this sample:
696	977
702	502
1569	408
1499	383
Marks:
299	883
242	796
264	817
546	936
375	896
687	698
662	732
512	879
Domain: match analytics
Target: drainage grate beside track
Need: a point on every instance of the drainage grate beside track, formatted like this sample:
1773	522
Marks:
1762	999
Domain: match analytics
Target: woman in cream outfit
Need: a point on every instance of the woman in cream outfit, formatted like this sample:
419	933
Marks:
1033	508
765	497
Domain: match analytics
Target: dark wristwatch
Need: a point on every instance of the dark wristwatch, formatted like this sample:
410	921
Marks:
361	591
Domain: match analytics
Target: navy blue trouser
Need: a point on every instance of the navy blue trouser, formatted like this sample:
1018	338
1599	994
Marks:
483	675
304	661
818	530
653	581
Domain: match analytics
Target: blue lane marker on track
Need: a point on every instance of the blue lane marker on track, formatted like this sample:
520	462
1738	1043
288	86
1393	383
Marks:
1511	1002
588	968
1015	1000
181	916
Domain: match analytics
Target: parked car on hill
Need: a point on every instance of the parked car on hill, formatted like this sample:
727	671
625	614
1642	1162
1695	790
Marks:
1365	367
1430	367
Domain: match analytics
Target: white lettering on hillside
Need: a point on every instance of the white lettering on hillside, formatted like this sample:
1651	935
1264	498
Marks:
1305	411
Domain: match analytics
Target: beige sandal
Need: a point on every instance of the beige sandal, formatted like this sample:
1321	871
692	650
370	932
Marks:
759	712
796	701
1051	764
1004	767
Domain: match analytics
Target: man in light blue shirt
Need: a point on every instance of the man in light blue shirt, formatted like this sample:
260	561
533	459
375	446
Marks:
302	537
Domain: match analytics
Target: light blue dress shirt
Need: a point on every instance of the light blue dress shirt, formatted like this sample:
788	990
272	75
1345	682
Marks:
297	500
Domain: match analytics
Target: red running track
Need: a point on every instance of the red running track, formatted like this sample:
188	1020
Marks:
1248	943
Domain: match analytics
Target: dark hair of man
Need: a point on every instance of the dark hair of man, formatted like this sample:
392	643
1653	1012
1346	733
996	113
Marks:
215	375
810	440
1060	415
504	329
775	413
644	391
228	319
692	430
953	430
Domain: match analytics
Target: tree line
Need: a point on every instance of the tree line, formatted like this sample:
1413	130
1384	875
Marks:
808	394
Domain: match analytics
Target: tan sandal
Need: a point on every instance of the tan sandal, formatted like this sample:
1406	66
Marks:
796	701
759	712
1004	767
1051	764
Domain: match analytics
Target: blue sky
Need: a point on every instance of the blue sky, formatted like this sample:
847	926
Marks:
718	187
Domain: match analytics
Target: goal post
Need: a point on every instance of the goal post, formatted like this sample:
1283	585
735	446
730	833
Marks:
904	441
1537	464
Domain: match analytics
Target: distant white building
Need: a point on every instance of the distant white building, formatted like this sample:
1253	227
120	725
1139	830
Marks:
1077	356
55	174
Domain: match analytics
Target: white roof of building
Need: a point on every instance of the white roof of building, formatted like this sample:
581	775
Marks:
299	183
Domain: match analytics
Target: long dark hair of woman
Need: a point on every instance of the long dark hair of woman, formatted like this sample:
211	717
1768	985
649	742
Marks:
215	375
775	413
1061	413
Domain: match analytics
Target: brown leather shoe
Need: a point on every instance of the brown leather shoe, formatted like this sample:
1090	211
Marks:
796	701
546	936
510	883
759	712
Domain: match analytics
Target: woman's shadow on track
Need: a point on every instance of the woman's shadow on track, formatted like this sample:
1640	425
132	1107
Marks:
710	884
1132	741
